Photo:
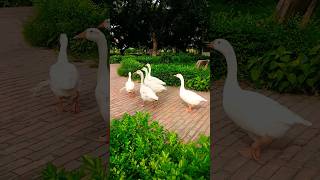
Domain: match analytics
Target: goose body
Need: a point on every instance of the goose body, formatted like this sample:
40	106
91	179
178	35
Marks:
189	97
254	112
146	93
64	76
155	86
129	84
151	78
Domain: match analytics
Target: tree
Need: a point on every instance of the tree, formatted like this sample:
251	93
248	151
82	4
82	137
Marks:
158	23
288	8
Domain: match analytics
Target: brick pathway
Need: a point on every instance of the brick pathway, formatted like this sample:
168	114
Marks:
32	133
170	111
295	156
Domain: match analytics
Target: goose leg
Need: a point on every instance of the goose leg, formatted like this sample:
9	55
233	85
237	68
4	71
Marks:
189	109
255	150
76	104
142	105
60	105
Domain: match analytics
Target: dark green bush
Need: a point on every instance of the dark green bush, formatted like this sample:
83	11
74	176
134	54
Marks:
91	168
142	149
252	31
197	79
65	16
15	3
115	59
287	71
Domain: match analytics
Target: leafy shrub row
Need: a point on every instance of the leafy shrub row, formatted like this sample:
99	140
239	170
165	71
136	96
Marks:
15	3
252	31
65	16
197	79
287	71
175	58
91	168
141	149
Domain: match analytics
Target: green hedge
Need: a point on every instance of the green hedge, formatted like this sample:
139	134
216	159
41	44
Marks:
173	58
141	149
196	79
287	71
251	29
65	16
15	3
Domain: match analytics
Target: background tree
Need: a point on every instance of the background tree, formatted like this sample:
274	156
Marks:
158	23
288	8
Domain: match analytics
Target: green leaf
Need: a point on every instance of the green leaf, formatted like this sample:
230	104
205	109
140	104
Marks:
255	74
292	78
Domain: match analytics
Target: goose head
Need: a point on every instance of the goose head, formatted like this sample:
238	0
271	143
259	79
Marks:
148	65
179	76
145	70
221	45
139	72
91	34
105	24
63	39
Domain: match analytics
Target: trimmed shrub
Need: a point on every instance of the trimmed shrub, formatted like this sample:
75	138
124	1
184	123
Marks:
287	71
142	149
15	3
65	16
197	79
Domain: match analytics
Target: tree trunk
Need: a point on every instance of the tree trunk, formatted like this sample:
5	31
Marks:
308	14
287	8
154	44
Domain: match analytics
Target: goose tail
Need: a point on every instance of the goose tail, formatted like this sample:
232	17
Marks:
306	123
36	89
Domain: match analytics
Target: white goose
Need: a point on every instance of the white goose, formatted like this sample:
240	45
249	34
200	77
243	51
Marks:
64	77
129	86
189	97
146	93
148	76
264	118
157	88
101	94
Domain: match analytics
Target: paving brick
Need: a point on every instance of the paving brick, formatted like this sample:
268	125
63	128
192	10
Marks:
246	171
284	173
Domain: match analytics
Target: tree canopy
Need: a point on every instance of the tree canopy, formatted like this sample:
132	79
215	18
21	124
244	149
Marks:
175	23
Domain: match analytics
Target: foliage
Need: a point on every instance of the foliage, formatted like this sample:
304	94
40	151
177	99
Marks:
252	31
199	78
15	3
176	23
142	149
287	71
65	16
91	167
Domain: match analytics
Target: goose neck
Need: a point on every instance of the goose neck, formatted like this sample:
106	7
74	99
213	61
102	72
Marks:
232	79
102	48
182	84
63	53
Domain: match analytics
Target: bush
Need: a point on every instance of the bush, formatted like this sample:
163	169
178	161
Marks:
115	59
142	149
252	31
197	79
287	71
91	167
15	3
65	16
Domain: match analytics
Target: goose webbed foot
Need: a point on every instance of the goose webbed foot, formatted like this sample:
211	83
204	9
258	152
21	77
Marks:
189	109
76	104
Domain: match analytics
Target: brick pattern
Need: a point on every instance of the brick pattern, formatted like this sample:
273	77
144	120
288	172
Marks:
32	132
170	111
295	156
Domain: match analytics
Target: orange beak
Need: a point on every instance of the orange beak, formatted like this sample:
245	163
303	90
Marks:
210	45
103	25
80	36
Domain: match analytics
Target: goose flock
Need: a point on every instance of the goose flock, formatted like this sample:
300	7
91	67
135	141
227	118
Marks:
150	86
263	118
